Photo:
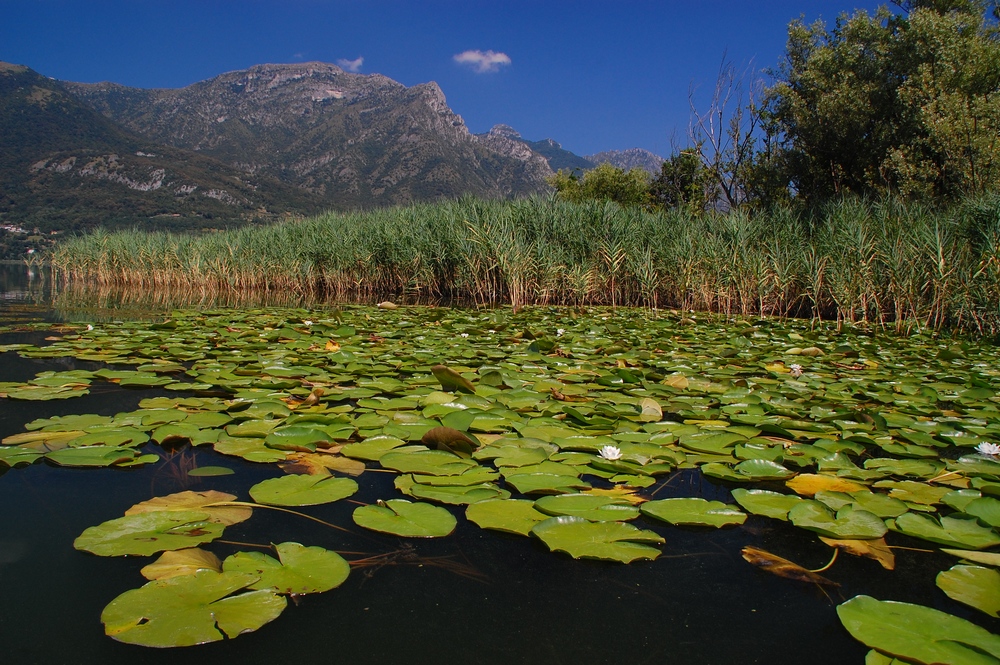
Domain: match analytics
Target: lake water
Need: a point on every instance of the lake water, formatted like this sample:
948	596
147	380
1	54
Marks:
510	602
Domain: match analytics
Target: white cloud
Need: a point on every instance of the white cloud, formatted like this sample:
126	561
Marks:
351	65
483	62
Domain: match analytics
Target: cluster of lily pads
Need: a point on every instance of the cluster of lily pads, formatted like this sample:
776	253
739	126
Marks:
554	424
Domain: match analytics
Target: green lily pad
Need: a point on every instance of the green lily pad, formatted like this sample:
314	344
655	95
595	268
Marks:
457	495
298	569
917	633
545	483
92	456
211	471
516	516
986	509
430	462
302	490
985	558
950	531
372	448
190	609
403	518
14	456
452	380
848	523
766	502
693	511
591	507
147	533
608	541
974	586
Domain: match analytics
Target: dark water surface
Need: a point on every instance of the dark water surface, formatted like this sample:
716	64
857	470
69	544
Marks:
475	597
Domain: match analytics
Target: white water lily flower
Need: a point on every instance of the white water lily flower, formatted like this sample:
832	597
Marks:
796	371
90	327
465	334
611	453
988	449
307	322
559	333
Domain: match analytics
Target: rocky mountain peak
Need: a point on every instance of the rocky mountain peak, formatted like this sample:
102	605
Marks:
629	159
505	131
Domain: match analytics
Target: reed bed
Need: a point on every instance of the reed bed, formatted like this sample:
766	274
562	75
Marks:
885	263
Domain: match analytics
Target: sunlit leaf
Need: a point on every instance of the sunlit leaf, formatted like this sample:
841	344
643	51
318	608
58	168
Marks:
190	609
302	490
199	501
298	569
173	563
611	541
403	518
148	533
917	633
975	586
693	511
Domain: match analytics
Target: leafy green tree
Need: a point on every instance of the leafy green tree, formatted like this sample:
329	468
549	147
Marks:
681	182
885	102
604	183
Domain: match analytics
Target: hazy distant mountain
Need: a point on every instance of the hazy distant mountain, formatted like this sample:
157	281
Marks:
62	166
554	154
352	139
629	159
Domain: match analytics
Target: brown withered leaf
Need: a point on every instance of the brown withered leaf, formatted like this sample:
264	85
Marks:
873	549
451	440
773	563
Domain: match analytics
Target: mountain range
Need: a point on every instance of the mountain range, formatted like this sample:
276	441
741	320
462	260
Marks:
256	144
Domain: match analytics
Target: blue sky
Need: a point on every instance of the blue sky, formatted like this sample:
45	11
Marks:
593	75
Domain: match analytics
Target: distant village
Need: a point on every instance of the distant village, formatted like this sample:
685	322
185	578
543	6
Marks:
17	241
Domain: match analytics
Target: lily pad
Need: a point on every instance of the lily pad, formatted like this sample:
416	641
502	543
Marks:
974	586
298	569
173	563
510	515
403	518
190	609
591	507
147	533
609	541
200	501
766	502
693	511
847	523
917	633
302	490
950	531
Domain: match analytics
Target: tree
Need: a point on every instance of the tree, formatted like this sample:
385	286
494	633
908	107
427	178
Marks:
604	182
905	103
681	182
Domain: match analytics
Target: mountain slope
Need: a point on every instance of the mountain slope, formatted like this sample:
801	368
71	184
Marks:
629	159
355	140
64	166
553	152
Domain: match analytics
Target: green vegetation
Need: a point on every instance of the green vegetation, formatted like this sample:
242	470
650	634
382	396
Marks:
861	444
888	263
903	103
